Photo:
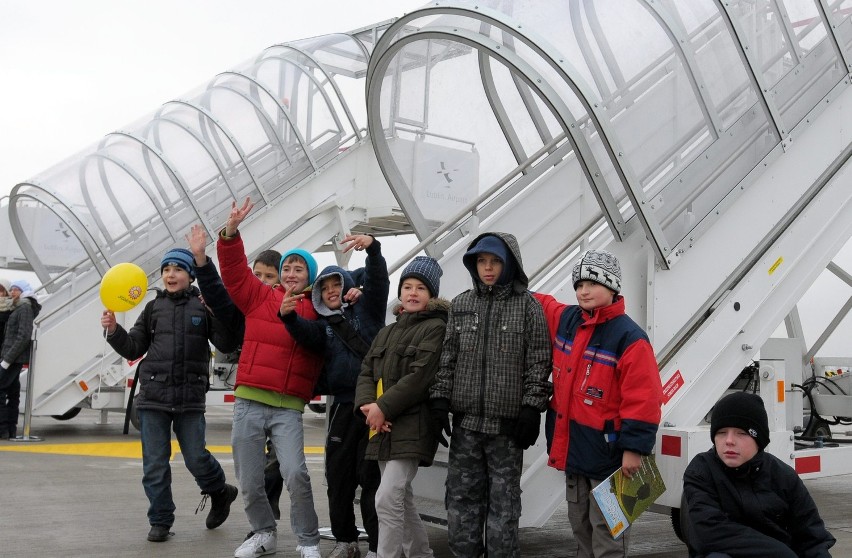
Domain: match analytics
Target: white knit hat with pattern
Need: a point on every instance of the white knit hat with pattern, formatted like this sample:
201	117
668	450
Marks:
599	266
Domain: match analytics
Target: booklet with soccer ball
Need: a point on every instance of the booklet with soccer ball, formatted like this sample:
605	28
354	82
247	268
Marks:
622	500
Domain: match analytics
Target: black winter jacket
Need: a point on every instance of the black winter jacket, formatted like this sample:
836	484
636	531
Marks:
174	330
759	509
405	357
367	316
216	298
19	331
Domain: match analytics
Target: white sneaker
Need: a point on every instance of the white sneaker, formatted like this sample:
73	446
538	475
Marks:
371	554
309	551
258	544
345	550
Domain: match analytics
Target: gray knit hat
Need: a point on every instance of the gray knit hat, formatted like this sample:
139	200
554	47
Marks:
425	269
599	266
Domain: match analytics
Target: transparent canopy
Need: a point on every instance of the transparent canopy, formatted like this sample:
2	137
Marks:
255	130
654	112
659	108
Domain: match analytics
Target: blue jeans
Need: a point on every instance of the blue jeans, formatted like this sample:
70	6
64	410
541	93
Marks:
253	423
189	429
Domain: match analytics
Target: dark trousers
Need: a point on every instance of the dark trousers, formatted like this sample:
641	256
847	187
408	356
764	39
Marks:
345	469
10	399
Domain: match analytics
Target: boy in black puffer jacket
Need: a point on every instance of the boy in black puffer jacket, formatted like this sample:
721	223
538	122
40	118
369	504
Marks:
174	330
343	333
743	502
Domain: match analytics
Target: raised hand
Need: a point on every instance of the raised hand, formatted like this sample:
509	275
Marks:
237	215
357	241
197	239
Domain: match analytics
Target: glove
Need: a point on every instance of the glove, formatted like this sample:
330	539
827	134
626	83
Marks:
4	365
527	426
440	412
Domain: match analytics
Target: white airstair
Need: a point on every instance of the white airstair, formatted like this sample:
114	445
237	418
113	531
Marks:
704	143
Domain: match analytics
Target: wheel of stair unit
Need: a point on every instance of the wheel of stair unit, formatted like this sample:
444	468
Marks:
318	408
676	523
68	415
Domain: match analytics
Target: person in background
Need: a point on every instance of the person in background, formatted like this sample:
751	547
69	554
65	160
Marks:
174	332
15	353
606	395
5	306
393	396
265	268
275	380
343	333
743	502
493	377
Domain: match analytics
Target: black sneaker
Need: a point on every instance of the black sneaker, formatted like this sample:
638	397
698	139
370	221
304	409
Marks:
159	533
221	507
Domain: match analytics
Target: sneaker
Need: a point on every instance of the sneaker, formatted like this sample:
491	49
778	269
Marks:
309	551
221	507
345	550
258	545
159	533
371	554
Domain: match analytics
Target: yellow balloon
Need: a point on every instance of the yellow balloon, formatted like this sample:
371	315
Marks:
123	286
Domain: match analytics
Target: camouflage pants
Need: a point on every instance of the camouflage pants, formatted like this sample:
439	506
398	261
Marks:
483	493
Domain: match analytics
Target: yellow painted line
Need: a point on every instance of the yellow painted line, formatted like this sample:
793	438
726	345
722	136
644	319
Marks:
124	450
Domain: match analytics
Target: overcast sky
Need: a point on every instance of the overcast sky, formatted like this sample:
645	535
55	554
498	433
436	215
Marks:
73	71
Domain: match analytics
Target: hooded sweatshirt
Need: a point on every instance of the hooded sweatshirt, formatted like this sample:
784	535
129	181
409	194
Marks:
366	317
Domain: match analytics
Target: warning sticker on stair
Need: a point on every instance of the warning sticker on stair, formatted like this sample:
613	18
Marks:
672	387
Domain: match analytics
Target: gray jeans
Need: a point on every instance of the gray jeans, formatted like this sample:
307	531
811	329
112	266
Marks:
252	422
400	526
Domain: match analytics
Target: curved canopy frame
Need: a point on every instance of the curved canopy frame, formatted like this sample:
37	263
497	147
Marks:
670	214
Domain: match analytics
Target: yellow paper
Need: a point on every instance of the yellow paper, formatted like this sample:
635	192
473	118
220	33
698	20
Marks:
379	392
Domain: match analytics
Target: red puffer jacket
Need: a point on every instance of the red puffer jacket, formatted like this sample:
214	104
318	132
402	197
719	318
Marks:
606	388
270	358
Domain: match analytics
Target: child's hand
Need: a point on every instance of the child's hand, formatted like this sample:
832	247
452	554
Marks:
238	214
108	321
352	295
197	239
375	417
630	463
288	304
357	241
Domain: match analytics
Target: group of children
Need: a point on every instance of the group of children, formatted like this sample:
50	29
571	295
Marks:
477	369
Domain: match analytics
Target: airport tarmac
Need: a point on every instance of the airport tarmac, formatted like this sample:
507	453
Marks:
78	492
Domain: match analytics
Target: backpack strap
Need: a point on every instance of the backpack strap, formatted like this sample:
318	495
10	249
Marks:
347	334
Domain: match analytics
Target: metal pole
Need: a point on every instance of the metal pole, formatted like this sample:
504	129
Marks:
28	407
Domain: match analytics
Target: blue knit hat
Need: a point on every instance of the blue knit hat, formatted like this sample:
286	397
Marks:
309	260
425	269
182	258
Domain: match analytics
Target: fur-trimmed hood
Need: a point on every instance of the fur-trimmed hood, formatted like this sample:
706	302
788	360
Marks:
434	305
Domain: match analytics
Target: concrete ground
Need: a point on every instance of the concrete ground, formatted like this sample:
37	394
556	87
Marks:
79	493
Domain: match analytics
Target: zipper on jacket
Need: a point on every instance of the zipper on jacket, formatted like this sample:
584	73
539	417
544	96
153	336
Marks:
484	355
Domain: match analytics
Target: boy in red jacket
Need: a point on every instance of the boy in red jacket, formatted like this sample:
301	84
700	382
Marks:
606	395
275	380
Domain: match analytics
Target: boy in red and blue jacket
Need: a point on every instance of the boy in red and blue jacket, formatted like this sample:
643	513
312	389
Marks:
606	394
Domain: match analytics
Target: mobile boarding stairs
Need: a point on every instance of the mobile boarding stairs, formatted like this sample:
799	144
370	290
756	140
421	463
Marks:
711	155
